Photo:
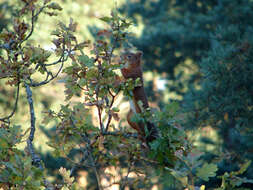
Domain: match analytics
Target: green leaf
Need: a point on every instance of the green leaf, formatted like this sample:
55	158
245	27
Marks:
243	168
155	145
54	6
137	82
206	171
3	144
237	181
125	25
82	82
181	176
56	32
115	109
106	19
172	108
85	60
12	168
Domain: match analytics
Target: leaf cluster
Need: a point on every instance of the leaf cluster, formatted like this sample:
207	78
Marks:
16	169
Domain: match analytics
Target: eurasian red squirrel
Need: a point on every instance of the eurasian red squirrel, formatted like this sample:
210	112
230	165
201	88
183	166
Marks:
133	70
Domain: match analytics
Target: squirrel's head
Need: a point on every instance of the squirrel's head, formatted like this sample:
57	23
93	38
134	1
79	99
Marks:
132	65
131	59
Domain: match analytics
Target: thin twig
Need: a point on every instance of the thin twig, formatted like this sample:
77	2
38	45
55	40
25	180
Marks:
95	170
125	180
108	121
110	115
99	112
34	16
189	169
32	28
14	109
47	80
62	60
120	133
89	152
84	152
114	44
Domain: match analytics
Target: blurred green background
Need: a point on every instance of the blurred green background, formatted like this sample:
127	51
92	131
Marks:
193	54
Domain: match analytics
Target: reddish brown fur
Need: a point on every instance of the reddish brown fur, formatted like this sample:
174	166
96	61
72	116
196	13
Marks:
134	71
137	126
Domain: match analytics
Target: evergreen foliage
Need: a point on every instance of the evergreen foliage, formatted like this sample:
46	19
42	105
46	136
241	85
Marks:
225	99
174	31
217	36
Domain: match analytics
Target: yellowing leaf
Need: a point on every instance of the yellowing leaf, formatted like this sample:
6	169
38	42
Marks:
226	117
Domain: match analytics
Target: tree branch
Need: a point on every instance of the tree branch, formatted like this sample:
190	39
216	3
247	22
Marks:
61	59
34	16
90	156
14	109
35	158
47	80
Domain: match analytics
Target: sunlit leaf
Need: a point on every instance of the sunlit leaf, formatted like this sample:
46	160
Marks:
54	6
207	171
106	19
